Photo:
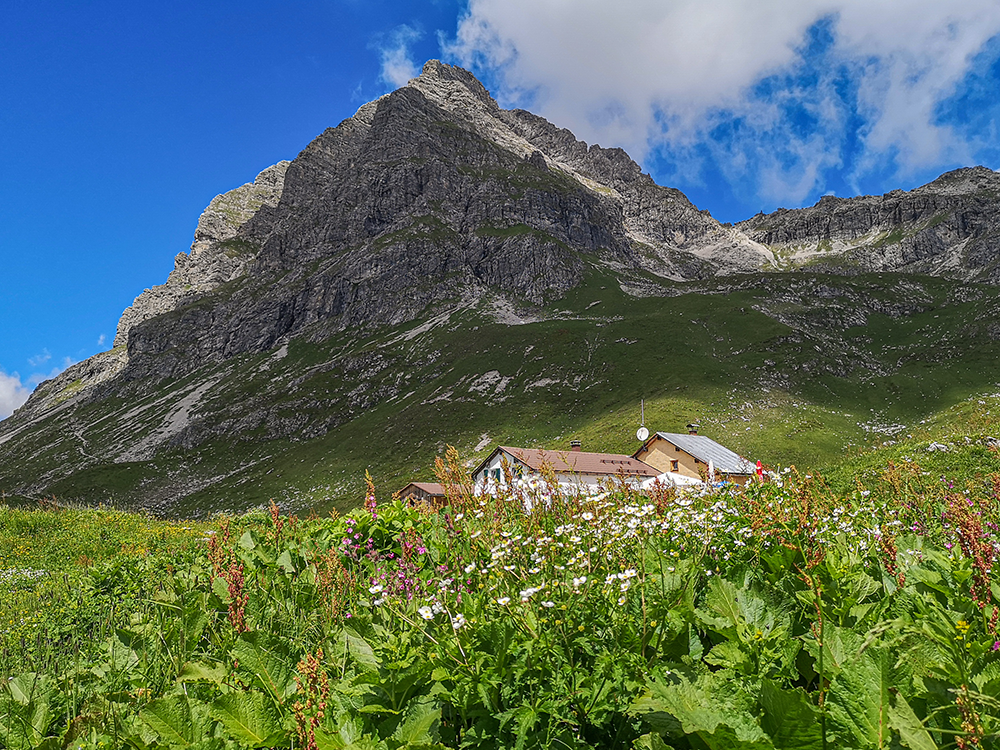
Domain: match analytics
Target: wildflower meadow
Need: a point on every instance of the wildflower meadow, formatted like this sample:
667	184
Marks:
780	615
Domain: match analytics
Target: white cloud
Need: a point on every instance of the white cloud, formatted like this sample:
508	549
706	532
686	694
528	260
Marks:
40	359
397	65
12	393
665	75
102	339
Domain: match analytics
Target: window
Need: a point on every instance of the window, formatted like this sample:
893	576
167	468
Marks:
673	465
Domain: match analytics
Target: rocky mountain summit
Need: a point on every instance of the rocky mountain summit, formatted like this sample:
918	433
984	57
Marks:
430	193
358	283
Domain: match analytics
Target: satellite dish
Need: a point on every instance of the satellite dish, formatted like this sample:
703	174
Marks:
642	433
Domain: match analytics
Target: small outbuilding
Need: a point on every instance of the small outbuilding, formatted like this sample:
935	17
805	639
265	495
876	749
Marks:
431	493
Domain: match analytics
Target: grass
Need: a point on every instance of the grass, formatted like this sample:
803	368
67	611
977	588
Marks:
862	618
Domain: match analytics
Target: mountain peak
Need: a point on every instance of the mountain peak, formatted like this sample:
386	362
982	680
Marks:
452	87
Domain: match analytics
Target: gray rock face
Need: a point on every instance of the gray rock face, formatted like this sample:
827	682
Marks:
217	255
948	227
426	195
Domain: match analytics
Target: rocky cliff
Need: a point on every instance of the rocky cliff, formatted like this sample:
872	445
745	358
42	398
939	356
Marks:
949	227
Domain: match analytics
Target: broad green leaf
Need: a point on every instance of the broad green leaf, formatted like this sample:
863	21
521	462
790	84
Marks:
199	671
840	645
728	654
706	708
930	578
722	599
173	720
247	541
359	648
912	733
695	648
25	687
25	716
22	726
419	724
859	699
195	620
251	718
650	742
285	562
790	719
221	589
270	670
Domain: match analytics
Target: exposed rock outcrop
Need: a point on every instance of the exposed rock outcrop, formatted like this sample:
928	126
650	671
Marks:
217	255
949	227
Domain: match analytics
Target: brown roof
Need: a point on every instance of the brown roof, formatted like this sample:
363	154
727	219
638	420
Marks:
431	488
578	462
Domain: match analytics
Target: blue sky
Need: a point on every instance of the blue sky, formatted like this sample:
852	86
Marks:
120	121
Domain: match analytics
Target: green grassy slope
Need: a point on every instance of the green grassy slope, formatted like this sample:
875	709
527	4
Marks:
791	369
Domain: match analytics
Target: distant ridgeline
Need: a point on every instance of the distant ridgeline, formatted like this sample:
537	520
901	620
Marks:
436	269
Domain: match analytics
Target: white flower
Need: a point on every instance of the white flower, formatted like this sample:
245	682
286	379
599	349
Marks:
587	516
548	604
630	573
470	567
379	602
503	601
437	608
621	600
625	586
375	589
458	621
578	582
426	612
529	592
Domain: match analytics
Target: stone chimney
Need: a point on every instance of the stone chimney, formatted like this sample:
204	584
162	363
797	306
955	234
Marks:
575	445
693	428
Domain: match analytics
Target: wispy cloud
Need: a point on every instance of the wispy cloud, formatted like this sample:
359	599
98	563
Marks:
398	66
12	393
102	339
40	359
773	94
